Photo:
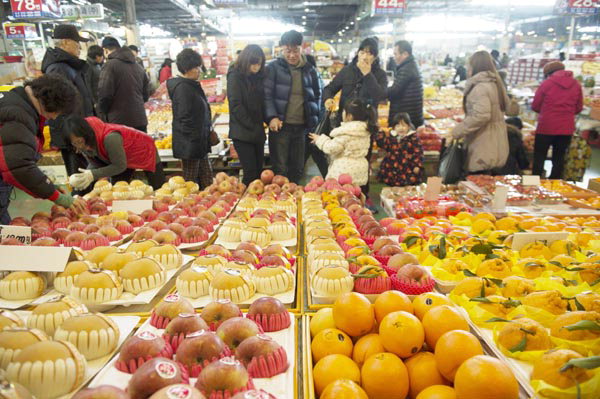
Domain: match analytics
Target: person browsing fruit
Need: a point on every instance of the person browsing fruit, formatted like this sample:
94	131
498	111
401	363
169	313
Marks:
349	144
113	151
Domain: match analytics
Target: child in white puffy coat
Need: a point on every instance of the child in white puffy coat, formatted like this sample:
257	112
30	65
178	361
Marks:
349	144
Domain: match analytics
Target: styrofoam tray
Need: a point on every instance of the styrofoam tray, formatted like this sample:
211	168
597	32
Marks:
233	245
11	305
282	385
126	326
127	298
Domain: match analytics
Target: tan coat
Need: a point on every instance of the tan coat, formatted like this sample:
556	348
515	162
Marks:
483	129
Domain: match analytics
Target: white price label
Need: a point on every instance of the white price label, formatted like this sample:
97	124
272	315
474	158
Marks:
434	187
522	239
499	200
20	233
531	180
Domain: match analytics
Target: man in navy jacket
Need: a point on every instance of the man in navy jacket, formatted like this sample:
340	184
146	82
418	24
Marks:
292	98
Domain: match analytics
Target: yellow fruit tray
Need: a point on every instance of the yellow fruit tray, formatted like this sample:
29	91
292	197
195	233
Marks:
525	392
283	386
574	191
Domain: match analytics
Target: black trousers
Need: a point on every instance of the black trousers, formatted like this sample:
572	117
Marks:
142	128
560	145
311	150
156	179
252	158
286	148
73	162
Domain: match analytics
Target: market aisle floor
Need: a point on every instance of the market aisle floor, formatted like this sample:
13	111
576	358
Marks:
23	205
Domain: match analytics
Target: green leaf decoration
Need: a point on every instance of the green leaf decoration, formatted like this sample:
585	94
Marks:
469	273
511	303
480	299
495	281
482	249
534	264
492	256
595	282
578	304
498	320
526	331
520	347
587	363
411	240
587	325
442	248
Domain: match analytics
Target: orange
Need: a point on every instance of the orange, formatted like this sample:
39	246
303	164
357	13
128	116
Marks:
485	377
353	314
440	320
424	302
384	376
366	346
486	216
401	333
391	301
437	392
422	372
334	367
321	320
330	341
507	223
343	389
453	348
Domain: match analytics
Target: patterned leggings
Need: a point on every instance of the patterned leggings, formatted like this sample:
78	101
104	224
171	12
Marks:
198	170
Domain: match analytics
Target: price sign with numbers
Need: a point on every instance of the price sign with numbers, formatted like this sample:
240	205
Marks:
577	7
29	9
20	31
20	233
389	7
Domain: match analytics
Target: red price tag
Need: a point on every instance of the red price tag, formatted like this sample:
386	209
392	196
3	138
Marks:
26	5
14	32
583	3
387	7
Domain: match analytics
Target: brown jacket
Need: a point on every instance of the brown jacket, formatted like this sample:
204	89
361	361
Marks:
123	90
483	129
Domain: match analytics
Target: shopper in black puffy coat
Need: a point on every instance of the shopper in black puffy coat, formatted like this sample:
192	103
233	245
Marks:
292	98
406	94
245	92
192	121
363	78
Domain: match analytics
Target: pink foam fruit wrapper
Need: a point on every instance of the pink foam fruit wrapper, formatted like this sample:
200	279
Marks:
411	287
375	285
271	322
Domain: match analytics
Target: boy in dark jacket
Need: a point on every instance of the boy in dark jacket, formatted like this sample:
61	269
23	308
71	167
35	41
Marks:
192	121
123	87
517	157
64	60
23	112
292	98
406	94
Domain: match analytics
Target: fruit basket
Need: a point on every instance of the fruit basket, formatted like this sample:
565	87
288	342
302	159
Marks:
283	385
379	372
125	325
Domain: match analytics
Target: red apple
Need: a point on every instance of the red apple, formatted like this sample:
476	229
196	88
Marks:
226	374
167	216
101	392
390	250
249	246
267	176
377	231
11	241
412	272
255	347
178	391
20	221
235	330
245	256
217	312
149	215
381	242
144	233
198	347
217	249
267	305
152	376
175	228
275	260
194	234
399	260
186	323
141	345
280	180
277	249
45	242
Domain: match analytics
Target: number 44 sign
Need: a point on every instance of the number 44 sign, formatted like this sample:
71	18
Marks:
389	7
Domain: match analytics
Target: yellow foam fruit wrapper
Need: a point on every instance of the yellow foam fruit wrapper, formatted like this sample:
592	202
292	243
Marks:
540	315
548	284
479	315
526	356
589	388
586	347
430	260
458	222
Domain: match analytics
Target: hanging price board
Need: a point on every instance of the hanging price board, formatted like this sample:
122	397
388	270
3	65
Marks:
89	11
577	7
20	31
389	7
30	9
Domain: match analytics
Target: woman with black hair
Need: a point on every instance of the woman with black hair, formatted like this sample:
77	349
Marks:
245	92
192	121
113	151
165	71
363	78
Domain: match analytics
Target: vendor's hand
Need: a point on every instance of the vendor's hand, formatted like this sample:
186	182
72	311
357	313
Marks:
313	137
64	200
330	104
275	125
81	181
364	66
79	206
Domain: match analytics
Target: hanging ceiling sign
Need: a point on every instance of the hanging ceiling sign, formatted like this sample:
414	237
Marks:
35	9
577	7
89	11
20	31
389	7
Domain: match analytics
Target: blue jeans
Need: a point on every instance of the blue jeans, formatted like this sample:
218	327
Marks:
287	151
5	191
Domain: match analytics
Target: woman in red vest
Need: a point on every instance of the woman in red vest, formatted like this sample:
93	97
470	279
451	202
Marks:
113	151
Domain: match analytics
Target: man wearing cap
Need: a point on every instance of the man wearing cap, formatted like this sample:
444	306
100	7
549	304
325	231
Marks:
558	99
64	60
123	87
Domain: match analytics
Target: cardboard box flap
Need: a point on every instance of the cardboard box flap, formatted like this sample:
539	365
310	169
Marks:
35	259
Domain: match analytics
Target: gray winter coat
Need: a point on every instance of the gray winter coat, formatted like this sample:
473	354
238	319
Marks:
483	129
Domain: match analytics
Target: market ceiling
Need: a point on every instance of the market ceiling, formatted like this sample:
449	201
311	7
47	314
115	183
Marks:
319	18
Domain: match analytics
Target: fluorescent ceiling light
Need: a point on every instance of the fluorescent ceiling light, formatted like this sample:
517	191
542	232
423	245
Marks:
256	26
514	3
304	17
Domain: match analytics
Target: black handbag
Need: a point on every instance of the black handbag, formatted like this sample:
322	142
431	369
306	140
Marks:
452	162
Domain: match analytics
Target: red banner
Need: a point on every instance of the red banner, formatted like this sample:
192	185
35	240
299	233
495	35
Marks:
20	31
577	7
35	8
389	7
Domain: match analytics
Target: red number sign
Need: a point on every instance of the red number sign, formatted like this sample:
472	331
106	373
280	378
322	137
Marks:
35	8
583	6
20	31
389	7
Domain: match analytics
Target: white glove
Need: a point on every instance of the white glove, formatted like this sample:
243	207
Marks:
81	181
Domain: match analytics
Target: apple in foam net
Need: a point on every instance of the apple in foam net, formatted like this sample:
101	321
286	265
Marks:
219	311
102	392
398	261
381	242
20	221
152	376
266	305
233	331
226	374
280	180
267	176
186	323
217	249
412	272
345	178
249	246
257	346
144	233
141	345
275	260
178	391
176	228
44	242
245	256
200	346
390	250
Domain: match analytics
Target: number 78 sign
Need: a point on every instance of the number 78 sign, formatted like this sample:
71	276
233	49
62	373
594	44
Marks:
389	7
35	8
